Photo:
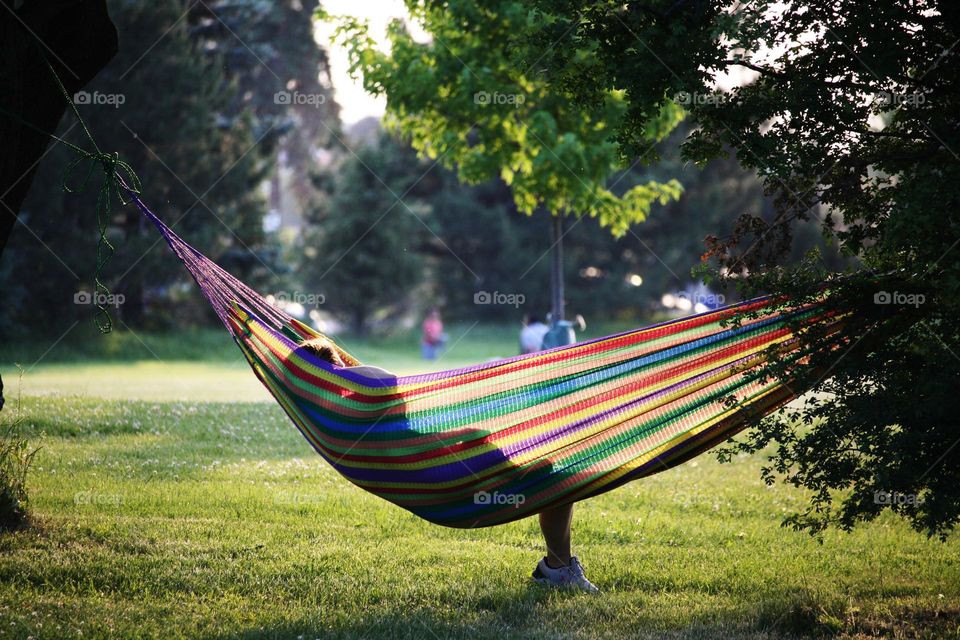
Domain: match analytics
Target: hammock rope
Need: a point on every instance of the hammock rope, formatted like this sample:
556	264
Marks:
118	178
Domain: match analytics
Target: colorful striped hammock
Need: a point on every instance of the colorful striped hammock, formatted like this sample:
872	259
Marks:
499	441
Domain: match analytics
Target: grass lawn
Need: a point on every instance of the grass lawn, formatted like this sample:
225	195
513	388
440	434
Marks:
171	500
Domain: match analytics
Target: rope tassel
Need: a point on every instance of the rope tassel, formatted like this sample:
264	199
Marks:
118	179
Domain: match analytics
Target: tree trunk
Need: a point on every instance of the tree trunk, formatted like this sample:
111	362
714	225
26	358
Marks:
78	39
556	269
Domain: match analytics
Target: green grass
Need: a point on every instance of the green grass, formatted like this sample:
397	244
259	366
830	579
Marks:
188	510
205	365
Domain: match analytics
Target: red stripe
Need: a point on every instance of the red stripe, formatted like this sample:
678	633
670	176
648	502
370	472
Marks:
483	374
582	405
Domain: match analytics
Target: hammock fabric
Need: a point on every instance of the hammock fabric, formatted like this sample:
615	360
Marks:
499	441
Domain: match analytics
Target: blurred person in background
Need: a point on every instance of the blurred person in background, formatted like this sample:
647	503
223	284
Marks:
434	339
531	336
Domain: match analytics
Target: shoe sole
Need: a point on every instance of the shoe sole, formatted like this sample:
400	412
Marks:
544	582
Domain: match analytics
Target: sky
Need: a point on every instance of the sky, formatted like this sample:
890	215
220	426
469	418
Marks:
356	103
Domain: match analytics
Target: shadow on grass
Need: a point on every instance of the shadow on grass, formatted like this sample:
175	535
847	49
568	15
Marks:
304	600
537	613
524	612
802	615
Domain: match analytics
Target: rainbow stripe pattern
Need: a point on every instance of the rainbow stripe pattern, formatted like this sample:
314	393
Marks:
499	441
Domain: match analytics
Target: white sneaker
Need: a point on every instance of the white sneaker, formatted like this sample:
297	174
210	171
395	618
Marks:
569	577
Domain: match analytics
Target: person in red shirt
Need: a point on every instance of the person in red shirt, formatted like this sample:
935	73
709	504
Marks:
433	336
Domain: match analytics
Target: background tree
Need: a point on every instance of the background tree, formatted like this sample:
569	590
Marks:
282	79
461	100
161	113
859	121
489	245
362	252
478	245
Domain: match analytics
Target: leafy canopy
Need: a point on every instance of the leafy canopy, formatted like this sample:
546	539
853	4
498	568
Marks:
463	100
849	116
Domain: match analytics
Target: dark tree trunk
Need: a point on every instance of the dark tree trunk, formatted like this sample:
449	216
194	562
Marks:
557	306
78	39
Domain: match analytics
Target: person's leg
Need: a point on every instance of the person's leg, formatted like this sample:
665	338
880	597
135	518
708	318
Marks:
555	525
559	568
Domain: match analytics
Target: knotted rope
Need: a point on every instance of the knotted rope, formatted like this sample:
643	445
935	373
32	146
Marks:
118	182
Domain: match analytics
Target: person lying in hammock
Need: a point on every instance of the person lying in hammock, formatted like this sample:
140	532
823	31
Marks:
558	568
327	350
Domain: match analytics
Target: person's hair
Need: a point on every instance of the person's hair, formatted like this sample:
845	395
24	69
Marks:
323	349
533	319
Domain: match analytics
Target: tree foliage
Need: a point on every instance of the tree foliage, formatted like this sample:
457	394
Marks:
159	112
362	253
280	72
174	103
462	98
846	110
488	246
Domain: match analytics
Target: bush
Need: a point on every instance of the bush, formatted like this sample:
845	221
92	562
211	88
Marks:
15	459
